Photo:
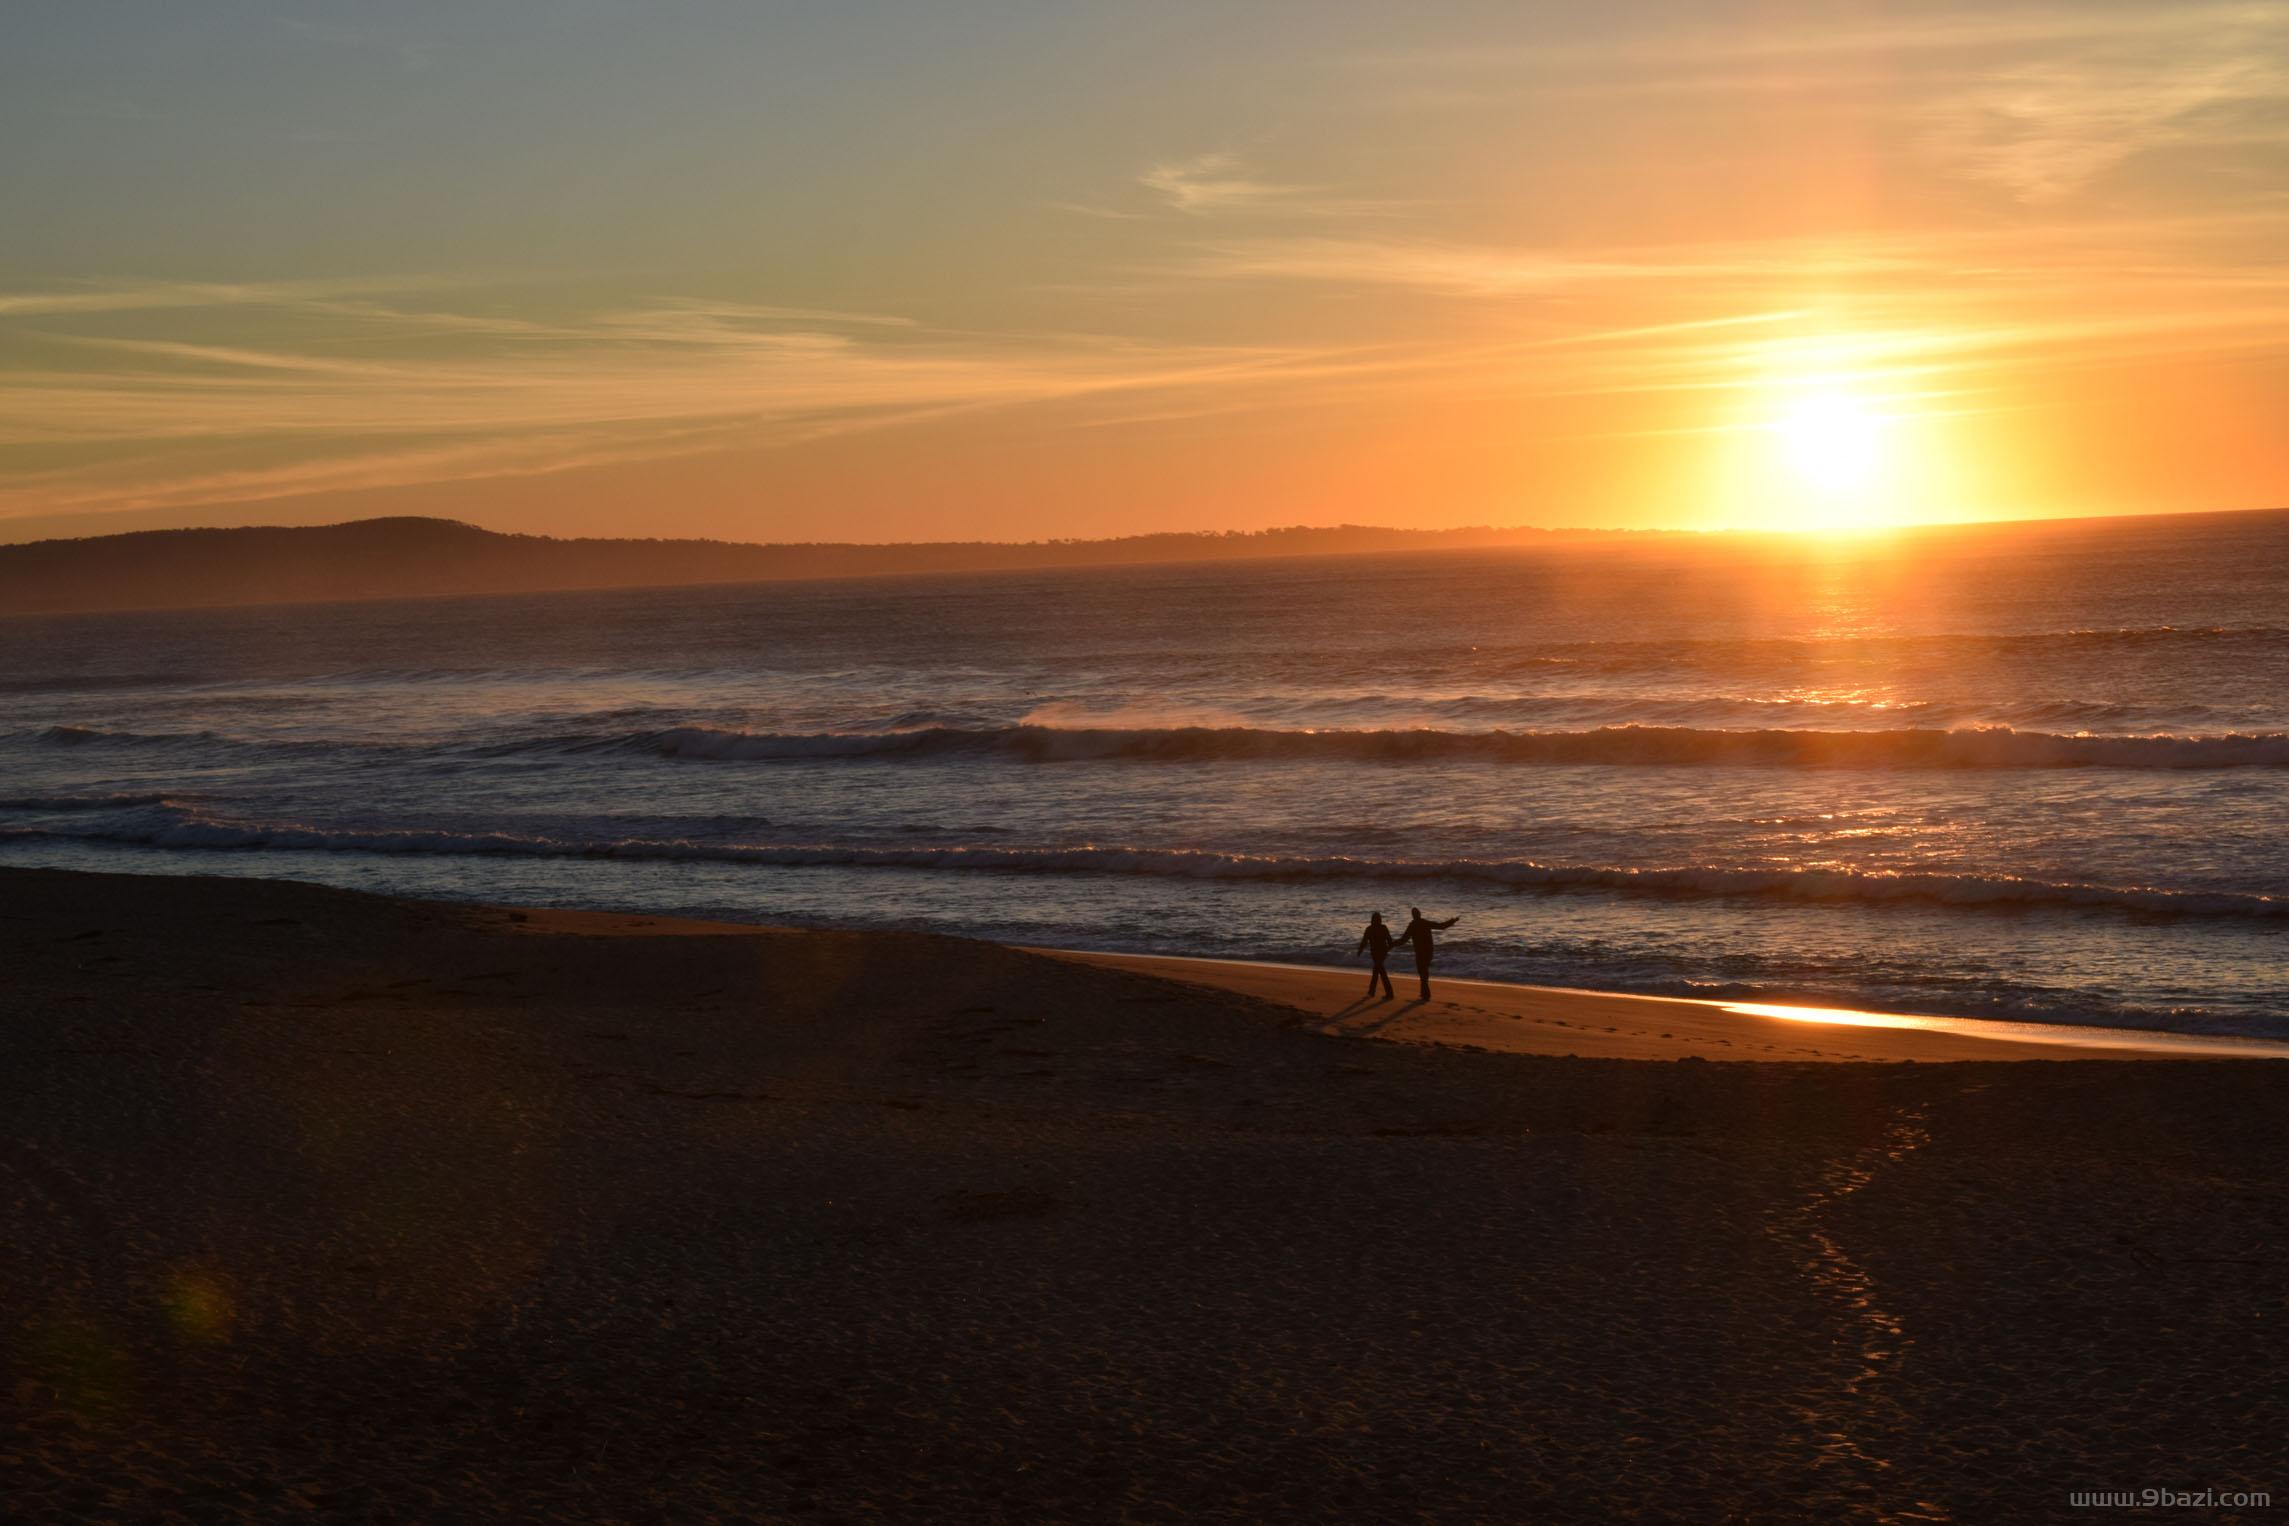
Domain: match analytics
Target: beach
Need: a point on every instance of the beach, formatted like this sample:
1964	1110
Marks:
321	1202
1507	1018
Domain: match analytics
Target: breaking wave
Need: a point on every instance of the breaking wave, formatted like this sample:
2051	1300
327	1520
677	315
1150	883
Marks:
170	826
1990	747
1633	745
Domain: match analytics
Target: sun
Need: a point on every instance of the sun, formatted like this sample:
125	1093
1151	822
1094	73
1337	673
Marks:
1832	435
1834	442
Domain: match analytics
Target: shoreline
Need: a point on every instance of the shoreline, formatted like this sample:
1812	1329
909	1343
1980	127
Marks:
1514	1018
1511	1017
1969	970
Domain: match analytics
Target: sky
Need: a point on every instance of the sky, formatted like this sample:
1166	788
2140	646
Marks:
979	269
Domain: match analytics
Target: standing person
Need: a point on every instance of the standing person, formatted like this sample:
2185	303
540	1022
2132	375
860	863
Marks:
1375	943
1418	932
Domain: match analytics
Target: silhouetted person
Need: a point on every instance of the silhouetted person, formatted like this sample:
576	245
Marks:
1376	943
1418	932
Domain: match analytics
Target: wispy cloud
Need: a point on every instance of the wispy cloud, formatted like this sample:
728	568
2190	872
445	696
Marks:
719	312
1828	35
2045	128
1428	265
340	385
1222	184
2196	252
1887	315
1212	183
2039	100
138	296
300	414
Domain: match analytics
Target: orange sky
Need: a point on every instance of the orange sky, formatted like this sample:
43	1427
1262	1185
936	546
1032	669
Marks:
1011	270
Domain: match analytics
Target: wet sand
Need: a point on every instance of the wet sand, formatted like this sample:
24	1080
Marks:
318	1203
1552	1020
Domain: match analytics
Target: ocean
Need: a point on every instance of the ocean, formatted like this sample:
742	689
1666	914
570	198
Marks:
2026	772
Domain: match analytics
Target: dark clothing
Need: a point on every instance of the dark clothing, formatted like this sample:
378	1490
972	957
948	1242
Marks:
1376	943
1418	932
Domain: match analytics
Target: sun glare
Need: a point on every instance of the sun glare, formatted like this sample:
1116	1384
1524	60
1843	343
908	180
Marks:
1833	441
1829	461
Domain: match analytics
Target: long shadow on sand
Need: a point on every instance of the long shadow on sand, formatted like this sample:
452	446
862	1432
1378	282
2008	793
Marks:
1344	1021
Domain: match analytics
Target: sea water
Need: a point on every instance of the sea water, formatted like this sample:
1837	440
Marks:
2028	772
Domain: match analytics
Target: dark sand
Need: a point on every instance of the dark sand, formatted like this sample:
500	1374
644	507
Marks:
320	1203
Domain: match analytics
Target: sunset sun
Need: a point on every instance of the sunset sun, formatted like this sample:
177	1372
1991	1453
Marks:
1828	458
1832	441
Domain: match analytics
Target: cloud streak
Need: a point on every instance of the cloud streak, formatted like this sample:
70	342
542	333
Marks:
1211	183
1828	36
405	395
2040	101
517	397
1221	185
147	296
2043	130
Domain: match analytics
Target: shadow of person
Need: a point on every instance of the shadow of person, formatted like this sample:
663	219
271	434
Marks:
1382	1021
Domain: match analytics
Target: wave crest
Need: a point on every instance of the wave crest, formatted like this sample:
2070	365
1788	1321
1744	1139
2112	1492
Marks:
1618	746
177	827
1989	747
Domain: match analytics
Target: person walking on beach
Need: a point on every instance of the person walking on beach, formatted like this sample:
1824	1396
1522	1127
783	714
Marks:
1418	932
1375	943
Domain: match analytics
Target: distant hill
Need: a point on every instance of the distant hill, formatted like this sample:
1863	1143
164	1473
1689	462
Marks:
412	558
405	558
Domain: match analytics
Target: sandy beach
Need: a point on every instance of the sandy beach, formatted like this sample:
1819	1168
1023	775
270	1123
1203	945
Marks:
1599	1025
323	1203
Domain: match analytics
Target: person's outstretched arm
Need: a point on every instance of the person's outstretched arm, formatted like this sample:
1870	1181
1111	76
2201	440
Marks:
1449	922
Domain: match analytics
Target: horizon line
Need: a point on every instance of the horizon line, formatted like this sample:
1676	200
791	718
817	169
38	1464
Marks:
1607	532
